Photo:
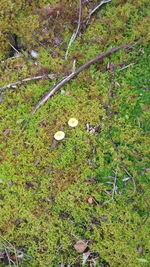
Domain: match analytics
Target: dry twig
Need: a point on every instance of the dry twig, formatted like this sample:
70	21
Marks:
132	178
73	37
95	9
14	48
75	73
114	185
49	76
60	84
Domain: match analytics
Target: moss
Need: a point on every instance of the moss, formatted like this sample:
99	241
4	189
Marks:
45	185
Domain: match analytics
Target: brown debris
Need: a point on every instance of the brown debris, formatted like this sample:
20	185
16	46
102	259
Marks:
80	246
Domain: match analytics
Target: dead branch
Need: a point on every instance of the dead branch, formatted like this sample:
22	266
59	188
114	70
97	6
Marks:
54	89
132	178
75	73
49	76
74	36
95	9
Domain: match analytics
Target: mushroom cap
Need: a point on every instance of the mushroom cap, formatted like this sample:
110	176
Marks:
59	135
73	122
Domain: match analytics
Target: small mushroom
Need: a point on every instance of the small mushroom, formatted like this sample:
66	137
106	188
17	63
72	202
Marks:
73	122
59	135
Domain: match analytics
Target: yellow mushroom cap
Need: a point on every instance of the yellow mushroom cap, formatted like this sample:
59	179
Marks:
73	122
59	135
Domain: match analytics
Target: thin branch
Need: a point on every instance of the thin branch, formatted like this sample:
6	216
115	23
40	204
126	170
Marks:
10	247
114	184
125	67
73	74
95	9
8	257
132	178
60	84
49	76
73	37
14	48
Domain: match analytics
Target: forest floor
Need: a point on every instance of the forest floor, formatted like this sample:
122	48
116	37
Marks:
83	200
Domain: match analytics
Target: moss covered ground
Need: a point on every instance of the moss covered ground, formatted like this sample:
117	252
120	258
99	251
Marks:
94	184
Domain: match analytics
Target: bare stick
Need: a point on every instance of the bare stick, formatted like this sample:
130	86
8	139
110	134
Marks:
114	185
95	9
14	48
8	257
11	247
75	73
50	76
71	76
73	37
132	178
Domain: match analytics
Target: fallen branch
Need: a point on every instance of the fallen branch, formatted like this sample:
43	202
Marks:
75	73
60	84
73	37
50	76
95	9
132	178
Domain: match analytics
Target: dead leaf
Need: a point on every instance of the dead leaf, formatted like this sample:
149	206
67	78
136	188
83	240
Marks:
80	246
13	257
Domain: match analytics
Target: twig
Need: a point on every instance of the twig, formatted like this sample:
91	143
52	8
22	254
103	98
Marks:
114	185
95	8
14	48
49	76
11	58
132	178
75	73
8	257
11	247
73	37
60	84
125	67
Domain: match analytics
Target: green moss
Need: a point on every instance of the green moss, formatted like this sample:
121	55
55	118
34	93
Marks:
45	185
